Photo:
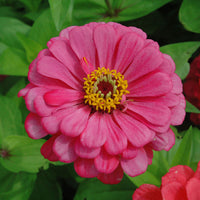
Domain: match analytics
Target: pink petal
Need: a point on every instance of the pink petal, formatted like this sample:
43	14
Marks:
151	43
149	153
179	174
147	192
47	149
75	122
31	95
81	40
197	173
85	152
33	127
155	113
135	166
145	62
59	97
52	68
163	141
25	90
130	152
192	188
178	112
63	52
128	47
96	132
64	149
138	31
106	163
86	65
177	84
65	32
116	139
151	85
85	168
174	191
105	42
137	133
112	178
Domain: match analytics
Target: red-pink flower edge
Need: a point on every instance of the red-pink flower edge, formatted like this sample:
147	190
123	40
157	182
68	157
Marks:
181	182
101	144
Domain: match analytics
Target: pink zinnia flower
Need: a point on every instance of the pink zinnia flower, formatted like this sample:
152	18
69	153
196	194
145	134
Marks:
180	183
107	97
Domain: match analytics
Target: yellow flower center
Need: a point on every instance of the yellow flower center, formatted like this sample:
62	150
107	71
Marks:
104	89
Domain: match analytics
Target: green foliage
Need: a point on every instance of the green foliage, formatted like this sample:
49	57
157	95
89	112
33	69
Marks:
189	15
94	189
180	53
190	108
15	186
61	11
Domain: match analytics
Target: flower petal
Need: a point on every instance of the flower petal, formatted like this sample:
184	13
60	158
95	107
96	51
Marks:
75	122
130	152
147	192
96	132
106	163
33	127
112	178
64	149
177	84
135	166
192	188
85	168
137	133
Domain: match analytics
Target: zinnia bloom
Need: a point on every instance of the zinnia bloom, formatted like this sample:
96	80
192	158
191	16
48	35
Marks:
106	95
181	182
192	88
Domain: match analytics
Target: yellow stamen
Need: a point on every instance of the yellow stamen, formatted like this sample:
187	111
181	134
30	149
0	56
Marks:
97	98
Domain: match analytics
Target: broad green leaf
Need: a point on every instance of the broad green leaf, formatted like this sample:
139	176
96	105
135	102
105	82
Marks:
2	47
61	11
133	9
183	153
13	62
191	108
24	154
15	186
9	27
43	29
46	188
10	118
31	4
189	15
93	189
6	11
180	53
31	47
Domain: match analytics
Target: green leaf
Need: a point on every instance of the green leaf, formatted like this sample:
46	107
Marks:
2	47
43	29
133	9
9	27
31	47
24	154
61	11
10	118
189	15
94	189
15	186
191	108
13	62
32	5
180	53
183	153
46	188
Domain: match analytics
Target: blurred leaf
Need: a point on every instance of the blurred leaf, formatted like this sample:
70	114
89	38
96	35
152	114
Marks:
183	153
10	118
6	11
9	27
24	154
180	53
46	188
189	15
191	108
13	62
43	29
61	11
15	186
32	48
31	4
2	47
94	189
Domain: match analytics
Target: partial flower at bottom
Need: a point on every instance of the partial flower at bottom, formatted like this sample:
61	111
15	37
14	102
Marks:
180	183
107	97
